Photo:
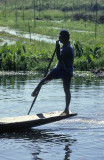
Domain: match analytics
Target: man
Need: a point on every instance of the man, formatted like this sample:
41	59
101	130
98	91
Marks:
64	67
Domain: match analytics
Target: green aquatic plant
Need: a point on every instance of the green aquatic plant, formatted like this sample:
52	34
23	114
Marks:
87	58
78	49
12	57
36	56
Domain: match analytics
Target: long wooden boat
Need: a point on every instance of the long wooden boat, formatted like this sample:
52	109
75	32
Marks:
28	121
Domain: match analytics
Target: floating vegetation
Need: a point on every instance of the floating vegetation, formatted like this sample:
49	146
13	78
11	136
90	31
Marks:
36	56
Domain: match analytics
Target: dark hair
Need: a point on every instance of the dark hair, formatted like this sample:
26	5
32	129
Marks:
64	33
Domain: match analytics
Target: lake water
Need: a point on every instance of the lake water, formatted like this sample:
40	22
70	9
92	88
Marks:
78	138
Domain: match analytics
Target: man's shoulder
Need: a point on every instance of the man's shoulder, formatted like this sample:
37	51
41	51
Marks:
68	48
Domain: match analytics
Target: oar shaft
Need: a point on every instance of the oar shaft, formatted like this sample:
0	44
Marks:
40	87
33	102
49	64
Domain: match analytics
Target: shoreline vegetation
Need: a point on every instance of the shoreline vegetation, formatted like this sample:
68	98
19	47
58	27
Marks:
89	74
84	21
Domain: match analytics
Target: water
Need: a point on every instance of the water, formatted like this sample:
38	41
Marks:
78	138
22	34
7	40
34	36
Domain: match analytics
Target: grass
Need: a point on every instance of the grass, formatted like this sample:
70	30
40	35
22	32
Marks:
44	28
52	28
1	40
50	18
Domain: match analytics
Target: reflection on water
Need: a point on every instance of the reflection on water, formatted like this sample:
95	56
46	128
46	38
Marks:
18	81
42	142
14	81
78	138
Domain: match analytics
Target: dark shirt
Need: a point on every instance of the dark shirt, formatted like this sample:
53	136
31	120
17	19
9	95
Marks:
66	58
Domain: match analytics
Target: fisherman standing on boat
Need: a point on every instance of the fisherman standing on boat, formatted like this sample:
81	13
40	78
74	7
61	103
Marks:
64	68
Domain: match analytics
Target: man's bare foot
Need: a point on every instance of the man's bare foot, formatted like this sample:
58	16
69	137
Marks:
63	114
66	112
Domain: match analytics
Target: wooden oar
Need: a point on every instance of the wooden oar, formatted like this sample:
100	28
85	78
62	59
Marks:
44	76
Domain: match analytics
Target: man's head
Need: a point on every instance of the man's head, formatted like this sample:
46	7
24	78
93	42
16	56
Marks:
64	36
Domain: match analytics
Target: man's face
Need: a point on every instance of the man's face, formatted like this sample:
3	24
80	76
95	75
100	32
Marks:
61	39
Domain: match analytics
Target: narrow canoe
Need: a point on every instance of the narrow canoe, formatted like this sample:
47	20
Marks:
28	121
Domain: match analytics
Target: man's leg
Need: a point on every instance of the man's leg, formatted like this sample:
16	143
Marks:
49	77
66	85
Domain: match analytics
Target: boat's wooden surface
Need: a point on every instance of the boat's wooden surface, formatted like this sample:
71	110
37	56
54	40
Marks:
28	121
